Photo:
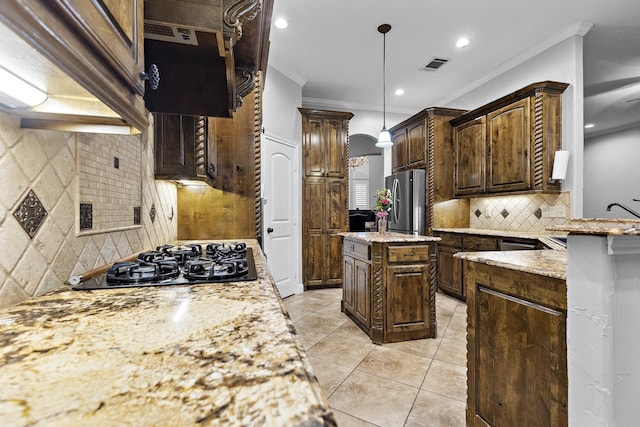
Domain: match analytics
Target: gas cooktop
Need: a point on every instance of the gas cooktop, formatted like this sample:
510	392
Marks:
179	265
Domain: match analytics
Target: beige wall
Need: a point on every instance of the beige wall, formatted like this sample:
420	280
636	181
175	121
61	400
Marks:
518	213
46	162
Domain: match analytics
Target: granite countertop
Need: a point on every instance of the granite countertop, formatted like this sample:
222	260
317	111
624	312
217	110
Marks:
546	263
503	233
600	226
388	237
211	354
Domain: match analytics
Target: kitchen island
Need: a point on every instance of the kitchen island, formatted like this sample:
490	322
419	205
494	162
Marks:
210	354
389	285
516	337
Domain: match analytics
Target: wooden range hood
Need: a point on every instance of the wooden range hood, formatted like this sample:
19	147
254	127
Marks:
207	52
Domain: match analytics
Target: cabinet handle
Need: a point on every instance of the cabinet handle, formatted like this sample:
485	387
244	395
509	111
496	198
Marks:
412	253
153	76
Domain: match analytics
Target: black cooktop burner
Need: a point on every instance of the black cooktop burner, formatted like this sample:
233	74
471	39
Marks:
188	264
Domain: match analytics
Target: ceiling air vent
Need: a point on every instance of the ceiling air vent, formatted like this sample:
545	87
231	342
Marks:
434	64
166	33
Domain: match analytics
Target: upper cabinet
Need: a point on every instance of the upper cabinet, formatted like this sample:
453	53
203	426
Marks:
207	51
324	142
85	58
508	145
409	148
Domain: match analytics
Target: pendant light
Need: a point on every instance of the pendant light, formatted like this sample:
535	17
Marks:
384	140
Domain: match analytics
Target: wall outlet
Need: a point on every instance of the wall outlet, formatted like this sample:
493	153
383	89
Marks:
557	211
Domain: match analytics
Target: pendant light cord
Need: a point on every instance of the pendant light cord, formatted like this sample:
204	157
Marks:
384	29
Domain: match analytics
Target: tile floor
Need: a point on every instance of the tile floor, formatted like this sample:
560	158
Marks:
412	383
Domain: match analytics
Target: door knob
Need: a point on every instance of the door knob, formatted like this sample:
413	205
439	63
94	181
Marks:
269	230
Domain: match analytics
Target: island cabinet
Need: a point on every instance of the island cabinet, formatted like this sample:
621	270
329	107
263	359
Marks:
516	343
508	145
325	186
387	289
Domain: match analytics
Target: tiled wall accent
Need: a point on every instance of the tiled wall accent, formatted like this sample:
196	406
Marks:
45	162
110	178
527	213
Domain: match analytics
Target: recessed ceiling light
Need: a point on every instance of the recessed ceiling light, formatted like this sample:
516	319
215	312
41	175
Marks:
462	42
399	92
589	126
281	23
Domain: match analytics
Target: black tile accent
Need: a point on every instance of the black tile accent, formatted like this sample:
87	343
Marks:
30	213
477	213
137	219
116	163
86	216
152	212
538	213
504	213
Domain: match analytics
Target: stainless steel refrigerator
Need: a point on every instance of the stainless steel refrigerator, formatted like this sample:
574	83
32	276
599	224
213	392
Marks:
408	195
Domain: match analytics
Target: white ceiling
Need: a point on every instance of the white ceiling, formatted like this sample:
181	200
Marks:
333	49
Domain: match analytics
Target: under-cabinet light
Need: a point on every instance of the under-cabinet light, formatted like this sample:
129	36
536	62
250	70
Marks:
18	93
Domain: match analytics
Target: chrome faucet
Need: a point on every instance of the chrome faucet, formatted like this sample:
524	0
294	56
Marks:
631	211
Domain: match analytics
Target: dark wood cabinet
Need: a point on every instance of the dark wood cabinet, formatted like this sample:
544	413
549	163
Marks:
508	145
517	354
325	195
182	148
98	45
470	151
450	270
387	289
508	141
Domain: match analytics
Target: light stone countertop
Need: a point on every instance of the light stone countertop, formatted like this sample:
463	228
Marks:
388	237
600	226
548	263
502	233
211	354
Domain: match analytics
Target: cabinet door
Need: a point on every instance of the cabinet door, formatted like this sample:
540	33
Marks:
313	152
469	146
348	284
335	148
115	29
508	142
398	151
407	308
174	145
416	145
362	307
524	343
314	240
335	195
450	271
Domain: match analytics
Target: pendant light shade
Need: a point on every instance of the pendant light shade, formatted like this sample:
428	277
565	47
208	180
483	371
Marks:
384	140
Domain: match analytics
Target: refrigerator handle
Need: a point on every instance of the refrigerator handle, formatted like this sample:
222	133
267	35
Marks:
396	206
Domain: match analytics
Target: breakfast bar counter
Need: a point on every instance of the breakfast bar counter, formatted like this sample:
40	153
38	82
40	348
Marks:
210	354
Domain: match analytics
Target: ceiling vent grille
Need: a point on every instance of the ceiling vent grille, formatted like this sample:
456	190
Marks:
166	33
434	64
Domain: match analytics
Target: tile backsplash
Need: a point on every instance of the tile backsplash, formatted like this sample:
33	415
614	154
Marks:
46	164
526	213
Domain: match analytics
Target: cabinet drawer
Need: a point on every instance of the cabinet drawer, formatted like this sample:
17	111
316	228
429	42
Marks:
473	243
450	240
357	250
408	253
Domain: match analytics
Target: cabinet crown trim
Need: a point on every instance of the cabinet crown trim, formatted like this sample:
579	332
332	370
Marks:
532	89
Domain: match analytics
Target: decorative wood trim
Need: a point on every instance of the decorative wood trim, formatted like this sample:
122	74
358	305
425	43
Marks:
245	83
538	140
377	297
430	173
257	155
200	148
546	86
237	13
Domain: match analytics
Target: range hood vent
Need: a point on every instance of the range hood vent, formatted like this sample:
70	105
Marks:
434	64
166	33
